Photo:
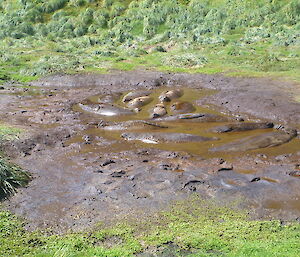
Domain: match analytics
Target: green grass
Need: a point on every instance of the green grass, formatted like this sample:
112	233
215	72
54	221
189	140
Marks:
239	38
191	228
8	132
11	176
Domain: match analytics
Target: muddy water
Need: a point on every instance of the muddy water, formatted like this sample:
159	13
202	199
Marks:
194	128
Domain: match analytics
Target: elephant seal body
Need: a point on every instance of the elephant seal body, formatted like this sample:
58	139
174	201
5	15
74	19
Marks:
242	127
158	137
105	109
132	95
195	117
256	142
109	98
139	102
182	107
158	111
169	95
132	125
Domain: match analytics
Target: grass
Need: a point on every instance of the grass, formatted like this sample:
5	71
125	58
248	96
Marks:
259	38
11	176
191	228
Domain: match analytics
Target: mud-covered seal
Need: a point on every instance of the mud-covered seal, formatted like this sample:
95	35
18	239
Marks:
159	110
169	95
256	142
182	107
242	127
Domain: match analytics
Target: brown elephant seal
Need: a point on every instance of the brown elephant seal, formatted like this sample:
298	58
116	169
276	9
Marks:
243	126
159	110
182	107
160	137
256	142
105	109
132	95
109	98
169	95
195	117
131	125
139	102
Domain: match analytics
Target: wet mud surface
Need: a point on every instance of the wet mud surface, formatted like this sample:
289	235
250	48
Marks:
97	152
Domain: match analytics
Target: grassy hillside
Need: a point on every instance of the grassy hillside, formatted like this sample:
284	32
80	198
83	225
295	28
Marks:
239	37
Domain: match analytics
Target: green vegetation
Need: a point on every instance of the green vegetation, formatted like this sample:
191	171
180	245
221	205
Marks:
8	132
11	176
238	37
191	228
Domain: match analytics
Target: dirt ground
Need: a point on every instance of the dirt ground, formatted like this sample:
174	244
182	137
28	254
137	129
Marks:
82	177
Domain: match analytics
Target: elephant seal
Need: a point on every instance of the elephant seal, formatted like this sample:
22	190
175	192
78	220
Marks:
160	137
256	142
195	117
105	109
109	98
132	95
158	111
132	125
139	102
242	127
182	107
169	95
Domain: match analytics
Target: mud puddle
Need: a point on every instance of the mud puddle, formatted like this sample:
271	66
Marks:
90	167
114	130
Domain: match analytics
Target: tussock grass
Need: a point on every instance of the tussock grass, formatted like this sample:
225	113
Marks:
31	31
11	177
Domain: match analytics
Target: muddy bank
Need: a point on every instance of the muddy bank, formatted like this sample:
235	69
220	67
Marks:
260	97
86	173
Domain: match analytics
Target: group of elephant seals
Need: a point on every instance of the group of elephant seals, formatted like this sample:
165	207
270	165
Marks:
242	126
132	95
256	142
170	95
182	107
162	137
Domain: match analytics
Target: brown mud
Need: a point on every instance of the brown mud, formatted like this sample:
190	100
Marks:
86	172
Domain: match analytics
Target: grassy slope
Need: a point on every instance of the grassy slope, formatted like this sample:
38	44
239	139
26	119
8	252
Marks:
238	37
192	228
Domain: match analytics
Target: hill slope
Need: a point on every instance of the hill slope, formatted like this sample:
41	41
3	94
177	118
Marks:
39	37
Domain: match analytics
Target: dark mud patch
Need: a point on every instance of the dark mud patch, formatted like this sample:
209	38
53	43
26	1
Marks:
85	174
